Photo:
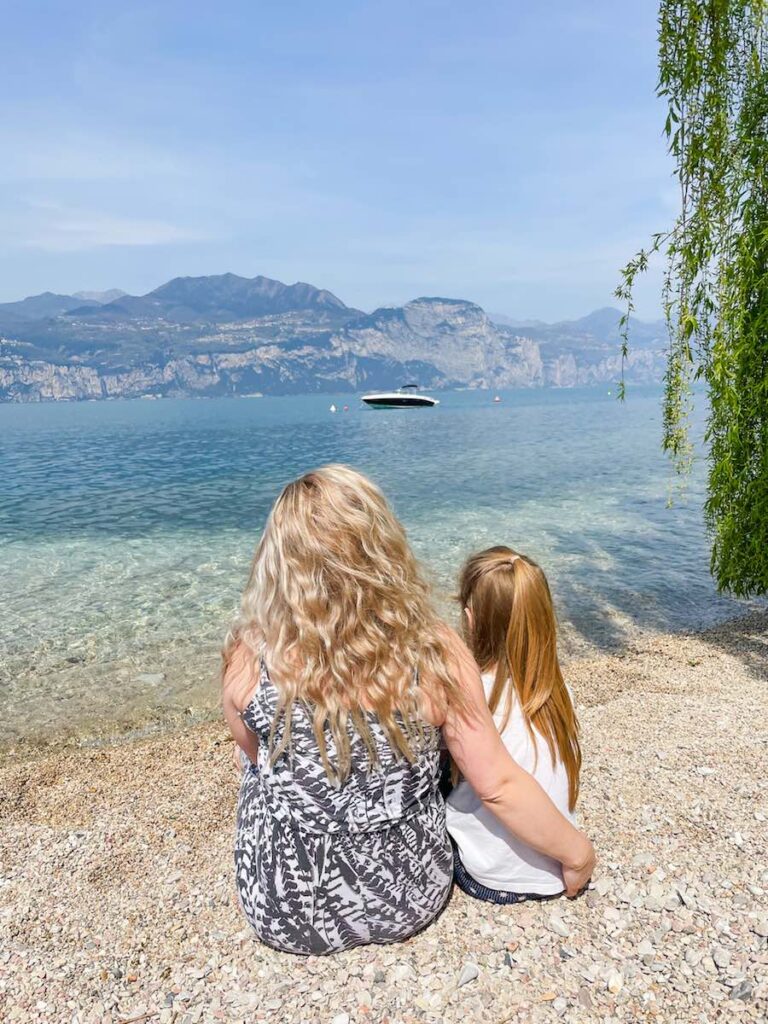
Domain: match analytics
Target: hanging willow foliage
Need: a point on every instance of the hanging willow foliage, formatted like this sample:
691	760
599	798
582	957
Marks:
713	74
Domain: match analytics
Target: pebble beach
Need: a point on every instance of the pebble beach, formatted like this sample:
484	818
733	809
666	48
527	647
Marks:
117	900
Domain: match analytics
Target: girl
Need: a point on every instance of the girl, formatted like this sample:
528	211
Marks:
509	624
337	679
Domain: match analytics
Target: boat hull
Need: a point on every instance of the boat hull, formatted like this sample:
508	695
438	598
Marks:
399	402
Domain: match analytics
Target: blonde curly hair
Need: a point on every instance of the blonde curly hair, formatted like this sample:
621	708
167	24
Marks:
339	603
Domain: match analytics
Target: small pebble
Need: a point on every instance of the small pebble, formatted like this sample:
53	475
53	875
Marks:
721	957
585	999
468	973
742	991
559	927
615	982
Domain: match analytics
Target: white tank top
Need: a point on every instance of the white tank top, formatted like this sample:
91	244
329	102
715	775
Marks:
491	854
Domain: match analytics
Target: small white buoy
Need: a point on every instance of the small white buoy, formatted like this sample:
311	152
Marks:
333	407
497	398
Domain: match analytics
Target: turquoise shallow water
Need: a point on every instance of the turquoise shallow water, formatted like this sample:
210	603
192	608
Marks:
126	528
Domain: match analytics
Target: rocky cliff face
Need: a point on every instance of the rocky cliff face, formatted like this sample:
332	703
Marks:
129	350
455	338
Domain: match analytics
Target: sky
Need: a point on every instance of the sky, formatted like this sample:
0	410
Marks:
504	152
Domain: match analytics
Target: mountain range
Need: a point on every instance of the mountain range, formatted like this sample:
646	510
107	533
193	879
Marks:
231	335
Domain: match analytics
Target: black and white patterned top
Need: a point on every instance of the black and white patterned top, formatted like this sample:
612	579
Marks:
322	868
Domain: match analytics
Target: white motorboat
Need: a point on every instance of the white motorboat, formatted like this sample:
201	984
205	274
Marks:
406	397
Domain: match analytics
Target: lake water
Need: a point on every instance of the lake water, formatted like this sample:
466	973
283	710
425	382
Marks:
126	529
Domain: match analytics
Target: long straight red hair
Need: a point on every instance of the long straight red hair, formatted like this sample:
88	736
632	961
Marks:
514	630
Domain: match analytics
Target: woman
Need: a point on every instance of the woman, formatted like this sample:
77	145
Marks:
338	678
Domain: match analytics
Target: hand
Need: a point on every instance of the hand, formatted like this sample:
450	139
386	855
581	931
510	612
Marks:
237	760
577	873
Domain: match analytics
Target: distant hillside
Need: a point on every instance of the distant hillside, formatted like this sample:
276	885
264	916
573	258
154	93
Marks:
102	297
220	298
600	327
37	306
230	335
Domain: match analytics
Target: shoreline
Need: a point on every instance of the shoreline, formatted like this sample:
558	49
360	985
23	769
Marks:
655	386
117	897
193	695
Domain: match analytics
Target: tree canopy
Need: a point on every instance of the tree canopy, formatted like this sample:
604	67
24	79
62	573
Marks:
713	75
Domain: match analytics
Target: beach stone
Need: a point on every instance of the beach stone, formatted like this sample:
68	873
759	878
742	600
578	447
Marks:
742	991
585	999
559	927
687	898
340	1018
642	860
468	973
615	982
628	893
761	928
721	957
403	972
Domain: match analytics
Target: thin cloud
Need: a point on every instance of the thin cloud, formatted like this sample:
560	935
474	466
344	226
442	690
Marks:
80	157
76	230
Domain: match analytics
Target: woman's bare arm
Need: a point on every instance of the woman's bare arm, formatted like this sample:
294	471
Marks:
238	686
506	789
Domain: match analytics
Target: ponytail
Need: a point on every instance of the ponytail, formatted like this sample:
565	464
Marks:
514	628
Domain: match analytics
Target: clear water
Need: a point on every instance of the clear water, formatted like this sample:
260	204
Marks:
126	529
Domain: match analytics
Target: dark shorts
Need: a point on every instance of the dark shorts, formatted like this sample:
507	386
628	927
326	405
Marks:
471	887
